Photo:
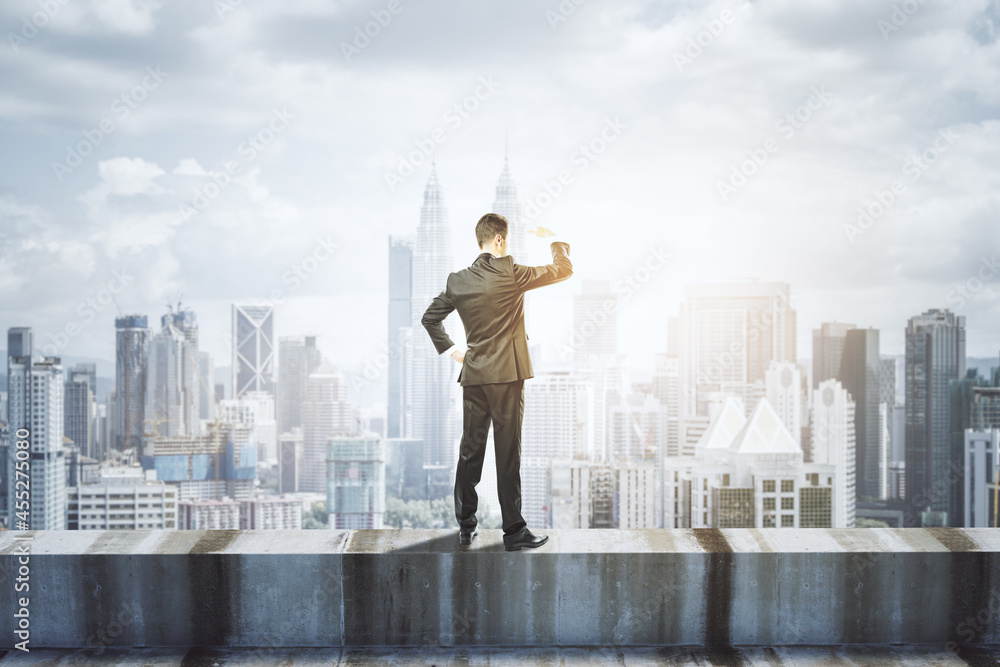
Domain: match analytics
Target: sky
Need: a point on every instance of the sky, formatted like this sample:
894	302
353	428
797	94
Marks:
228	151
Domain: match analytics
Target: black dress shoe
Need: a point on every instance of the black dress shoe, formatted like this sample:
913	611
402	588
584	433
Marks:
523	538
465	536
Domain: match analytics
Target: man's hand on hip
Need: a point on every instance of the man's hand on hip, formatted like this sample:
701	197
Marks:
459	356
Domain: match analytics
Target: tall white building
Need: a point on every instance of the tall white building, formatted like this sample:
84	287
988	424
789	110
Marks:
35	416
508	204
557	425
253	348
434	391
729	335
637	428
833	444
122	499
667	388
325	414
173	378
982	477
638	492
570	493
783	382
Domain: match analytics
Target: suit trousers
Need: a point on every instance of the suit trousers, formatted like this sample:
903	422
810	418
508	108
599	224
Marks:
503	405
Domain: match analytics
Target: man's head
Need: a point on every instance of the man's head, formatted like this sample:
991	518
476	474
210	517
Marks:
491	233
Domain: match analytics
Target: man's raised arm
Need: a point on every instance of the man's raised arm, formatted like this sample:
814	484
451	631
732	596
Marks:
533	277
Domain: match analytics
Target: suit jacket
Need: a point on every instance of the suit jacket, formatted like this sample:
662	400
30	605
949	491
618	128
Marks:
489	297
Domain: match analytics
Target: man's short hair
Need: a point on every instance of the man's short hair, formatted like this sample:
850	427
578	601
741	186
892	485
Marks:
489	226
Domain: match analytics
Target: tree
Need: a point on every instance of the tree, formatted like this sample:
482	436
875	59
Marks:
315	518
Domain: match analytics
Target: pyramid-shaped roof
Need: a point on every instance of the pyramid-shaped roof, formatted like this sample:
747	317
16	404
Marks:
724	428
764	433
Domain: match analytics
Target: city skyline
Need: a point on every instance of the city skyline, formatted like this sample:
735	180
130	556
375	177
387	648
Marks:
643	126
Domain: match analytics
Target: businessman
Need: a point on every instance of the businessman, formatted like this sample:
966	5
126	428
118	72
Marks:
489	297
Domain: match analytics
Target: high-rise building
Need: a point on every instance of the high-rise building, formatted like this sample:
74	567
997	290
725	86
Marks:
35	416
173	377
783	386
833	444
981	497
206	396
666	388
935	355
355	470
400	317
828	349
79	409
298	356
730	334
131	357
887	380
253	348
290	455
325	414
434	387
860	373
595	324
637	428
569	493
638	495
508	204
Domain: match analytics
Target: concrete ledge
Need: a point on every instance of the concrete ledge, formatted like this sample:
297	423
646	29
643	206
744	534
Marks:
708	588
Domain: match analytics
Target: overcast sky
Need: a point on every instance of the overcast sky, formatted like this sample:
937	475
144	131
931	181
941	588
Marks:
116	117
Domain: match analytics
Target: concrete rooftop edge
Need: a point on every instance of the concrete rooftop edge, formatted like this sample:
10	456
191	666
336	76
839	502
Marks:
693	541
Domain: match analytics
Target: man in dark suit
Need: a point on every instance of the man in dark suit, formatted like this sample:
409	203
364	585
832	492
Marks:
489	297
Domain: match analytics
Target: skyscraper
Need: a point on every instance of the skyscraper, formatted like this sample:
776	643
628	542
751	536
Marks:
400	314
325	414
833	444
173	377
935	355
861	375
79	407
828	348
355	482
730	334
35	411
784	392
434	386
508	204
298	356
253	348
595	330
131	356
